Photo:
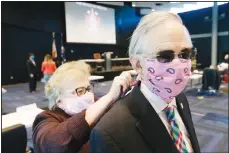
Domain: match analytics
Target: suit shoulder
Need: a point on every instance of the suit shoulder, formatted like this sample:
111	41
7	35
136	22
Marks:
28	61
182	97
116	115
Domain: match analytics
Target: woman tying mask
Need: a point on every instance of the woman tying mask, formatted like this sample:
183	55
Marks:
73	113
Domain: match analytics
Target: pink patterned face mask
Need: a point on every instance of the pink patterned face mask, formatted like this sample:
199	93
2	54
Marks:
167	80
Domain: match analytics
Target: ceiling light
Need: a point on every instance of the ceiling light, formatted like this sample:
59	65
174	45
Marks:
133	5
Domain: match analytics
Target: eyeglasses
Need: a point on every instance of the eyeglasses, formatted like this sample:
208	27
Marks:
167	56
82	90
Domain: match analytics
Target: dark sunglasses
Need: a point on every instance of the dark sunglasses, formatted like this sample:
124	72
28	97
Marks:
82	90
167	56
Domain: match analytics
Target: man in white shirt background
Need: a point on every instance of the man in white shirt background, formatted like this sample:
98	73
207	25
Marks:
33	72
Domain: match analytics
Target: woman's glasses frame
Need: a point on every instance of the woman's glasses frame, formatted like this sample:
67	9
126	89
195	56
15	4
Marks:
82	90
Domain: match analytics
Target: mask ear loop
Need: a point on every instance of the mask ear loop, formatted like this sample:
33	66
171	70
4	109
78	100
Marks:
57	103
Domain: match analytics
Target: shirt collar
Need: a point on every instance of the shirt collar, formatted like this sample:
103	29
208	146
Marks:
156	102
33	61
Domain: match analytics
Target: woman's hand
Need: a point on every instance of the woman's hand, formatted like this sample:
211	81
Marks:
120	85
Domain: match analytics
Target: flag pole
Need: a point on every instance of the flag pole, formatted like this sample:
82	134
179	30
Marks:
54	51
62	50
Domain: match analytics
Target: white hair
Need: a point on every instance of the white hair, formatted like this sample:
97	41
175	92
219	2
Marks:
64	78
146	24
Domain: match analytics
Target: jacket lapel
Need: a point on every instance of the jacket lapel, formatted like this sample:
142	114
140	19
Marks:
150	125
183	109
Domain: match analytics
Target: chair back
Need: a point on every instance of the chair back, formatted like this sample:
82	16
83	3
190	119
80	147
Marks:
14	139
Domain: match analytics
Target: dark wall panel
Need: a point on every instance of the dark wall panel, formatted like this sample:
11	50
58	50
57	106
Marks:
194	19
197	24
46	16
204	51
16	45
223	24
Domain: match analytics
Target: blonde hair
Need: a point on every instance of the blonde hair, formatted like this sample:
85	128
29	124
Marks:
48	58
65	78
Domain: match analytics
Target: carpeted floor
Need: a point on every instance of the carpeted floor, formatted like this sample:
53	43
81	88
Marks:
210	114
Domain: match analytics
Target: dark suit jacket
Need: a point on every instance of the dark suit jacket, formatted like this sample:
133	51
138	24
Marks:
133	126
32	69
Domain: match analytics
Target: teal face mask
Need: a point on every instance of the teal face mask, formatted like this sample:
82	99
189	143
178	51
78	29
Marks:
32	57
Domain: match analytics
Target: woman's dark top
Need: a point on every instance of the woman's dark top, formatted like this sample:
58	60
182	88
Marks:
57	132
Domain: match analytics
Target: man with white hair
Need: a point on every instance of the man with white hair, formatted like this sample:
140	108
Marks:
155	116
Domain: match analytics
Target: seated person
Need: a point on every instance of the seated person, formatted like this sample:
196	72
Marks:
154	117
73	113
211	79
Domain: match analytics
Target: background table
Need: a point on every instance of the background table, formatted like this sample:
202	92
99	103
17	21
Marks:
95	77
195	78
24	115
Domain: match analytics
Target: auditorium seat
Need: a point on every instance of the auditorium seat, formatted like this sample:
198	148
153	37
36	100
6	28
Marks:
14	139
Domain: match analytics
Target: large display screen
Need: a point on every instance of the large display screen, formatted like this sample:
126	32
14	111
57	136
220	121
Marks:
89	23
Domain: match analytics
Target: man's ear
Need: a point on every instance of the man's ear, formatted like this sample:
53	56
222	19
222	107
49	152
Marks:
135	62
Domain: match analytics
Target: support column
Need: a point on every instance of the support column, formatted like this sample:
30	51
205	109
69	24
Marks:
214	34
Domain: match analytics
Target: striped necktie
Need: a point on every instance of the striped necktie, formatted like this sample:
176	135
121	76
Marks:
175	131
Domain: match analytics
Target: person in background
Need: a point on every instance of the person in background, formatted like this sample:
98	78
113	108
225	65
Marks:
33	72
48	68
66	127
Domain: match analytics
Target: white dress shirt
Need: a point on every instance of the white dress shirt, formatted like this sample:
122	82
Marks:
33	62
159	105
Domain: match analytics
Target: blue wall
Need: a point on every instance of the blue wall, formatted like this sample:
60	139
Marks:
127	20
